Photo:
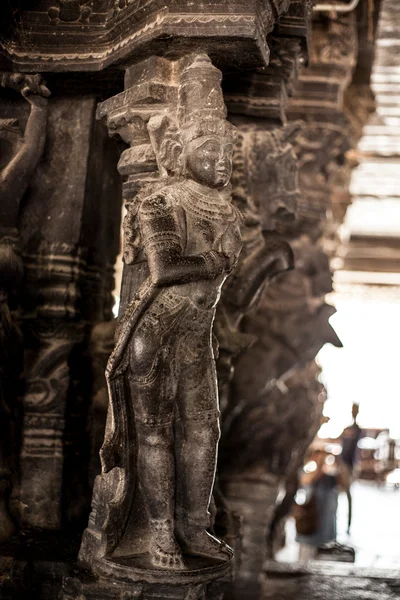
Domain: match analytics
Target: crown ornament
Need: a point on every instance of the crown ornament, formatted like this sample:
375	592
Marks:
201	106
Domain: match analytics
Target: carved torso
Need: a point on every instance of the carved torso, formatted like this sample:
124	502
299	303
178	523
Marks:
198	217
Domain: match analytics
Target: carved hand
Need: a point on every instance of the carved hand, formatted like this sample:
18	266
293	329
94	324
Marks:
36	95
15	177
217	263
231	261
31	87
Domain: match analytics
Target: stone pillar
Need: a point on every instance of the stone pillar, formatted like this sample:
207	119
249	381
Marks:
266	189
19	159
286	177
69	238
274	401
145	117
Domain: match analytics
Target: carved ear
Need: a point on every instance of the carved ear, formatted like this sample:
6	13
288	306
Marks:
291	131
166	143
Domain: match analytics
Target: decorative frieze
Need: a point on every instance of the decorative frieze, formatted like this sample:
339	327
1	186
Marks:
71	35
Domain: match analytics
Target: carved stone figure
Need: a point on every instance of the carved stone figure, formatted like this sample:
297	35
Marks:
100	347
19	156
182	238
265	191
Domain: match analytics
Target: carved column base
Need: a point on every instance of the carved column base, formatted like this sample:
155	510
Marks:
87	587
254	499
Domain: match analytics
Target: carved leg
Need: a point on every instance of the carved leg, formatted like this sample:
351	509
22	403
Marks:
197	435
156	471
153	409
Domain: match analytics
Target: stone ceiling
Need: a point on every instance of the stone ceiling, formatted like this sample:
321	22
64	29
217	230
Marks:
373	221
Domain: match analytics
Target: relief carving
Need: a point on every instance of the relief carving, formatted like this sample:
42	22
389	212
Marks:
70	11
182	238
43	441
19	157
265	191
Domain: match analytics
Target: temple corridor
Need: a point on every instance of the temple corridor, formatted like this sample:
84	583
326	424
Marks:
199	300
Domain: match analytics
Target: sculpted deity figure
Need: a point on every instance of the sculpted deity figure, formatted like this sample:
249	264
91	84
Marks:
19	156
182	239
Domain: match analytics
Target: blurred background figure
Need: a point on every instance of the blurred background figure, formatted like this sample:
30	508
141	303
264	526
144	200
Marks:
349	440
322	478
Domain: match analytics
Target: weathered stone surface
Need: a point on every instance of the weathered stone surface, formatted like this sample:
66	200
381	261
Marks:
336	582
275	381
68	240
20	157
182	237
121	32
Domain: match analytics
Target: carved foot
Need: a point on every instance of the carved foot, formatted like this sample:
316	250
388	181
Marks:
201	543
164	551
167	560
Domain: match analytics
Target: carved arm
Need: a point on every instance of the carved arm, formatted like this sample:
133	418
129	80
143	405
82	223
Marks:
162	240
15	177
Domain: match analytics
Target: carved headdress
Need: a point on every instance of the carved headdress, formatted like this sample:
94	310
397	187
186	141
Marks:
200	112
201	106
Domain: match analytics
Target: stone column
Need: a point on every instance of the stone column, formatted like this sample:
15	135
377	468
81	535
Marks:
69	236
145	117
275	400
20	157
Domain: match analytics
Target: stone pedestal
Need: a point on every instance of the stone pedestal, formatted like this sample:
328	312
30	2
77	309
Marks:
252	498
86	587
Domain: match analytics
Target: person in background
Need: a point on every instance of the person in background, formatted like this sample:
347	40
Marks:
320	481
349	440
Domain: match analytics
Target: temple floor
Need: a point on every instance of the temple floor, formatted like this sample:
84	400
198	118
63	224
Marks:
375	530
337	581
